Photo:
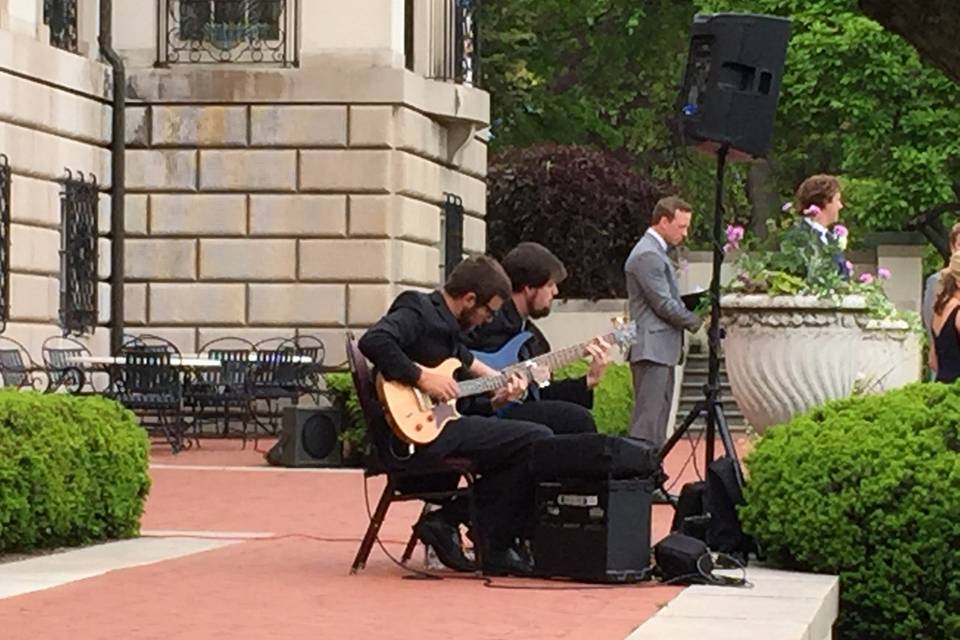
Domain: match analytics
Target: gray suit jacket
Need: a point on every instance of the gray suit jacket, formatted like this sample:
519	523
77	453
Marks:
929	296
655	304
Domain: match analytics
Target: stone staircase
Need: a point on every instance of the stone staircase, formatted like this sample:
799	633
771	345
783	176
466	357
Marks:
694	377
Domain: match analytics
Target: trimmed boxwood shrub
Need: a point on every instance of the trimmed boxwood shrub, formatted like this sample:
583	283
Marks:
869	488
612	398
72	470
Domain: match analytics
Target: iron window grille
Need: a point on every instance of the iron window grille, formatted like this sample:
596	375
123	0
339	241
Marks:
228	31
79	208
452	220
455	41
61	17
5	179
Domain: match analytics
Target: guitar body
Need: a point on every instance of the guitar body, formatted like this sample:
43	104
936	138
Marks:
505	356
414	417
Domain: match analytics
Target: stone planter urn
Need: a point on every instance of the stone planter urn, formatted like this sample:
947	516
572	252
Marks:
788	354
890	355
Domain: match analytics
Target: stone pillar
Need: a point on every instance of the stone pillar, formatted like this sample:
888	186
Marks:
135	34
21	16
368	31
905	263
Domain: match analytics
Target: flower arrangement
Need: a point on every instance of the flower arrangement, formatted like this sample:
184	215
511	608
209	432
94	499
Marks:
801	260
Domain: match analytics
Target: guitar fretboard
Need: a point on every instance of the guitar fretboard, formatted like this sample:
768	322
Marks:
552	361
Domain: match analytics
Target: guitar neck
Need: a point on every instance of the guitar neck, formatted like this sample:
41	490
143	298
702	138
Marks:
476	386
556	359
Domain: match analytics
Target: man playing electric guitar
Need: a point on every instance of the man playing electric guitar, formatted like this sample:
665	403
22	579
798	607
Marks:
422	330
564	406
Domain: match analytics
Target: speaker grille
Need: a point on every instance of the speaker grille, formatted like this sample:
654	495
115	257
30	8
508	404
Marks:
318	437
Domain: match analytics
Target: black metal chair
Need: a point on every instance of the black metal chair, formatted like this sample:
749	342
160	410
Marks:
225	392
63	372
310	374
405	474
276	377
150	384
17	368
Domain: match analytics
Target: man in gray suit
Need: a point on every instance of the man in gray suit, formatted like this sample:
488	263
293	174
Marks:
661	318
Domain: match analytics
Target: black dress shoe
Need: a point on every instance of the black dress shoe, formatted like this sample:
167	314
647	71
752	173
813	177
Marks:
507	563
445	540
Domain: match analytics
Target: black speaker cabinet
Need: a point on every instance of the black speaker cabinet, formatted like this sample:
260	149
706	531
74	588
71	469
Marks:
310	438
595	530
732	82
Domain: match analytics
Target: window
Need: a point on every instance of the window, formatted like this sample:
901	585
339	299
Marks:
218	31
451	219
79	205
61	17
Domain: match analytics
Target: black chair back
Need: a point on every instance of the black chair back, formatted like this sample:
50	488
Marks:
58	353
147	380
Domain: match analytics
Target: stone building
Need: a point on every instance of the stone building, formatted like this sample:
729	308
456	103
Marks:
286	160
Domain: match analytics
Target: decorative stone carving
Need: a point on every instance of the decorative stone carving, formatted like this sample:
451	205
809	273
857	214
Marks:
788	354
890	355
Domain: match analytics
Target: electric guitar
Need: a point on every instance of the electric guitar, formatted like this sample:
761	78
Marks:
417	419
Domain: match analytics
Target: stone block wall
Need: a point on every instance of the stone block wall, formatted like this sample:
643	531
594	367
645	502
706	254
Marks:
259	220
54	114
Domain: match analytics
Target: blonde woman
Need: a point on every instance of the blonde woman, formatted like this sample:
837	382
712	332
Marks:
945	354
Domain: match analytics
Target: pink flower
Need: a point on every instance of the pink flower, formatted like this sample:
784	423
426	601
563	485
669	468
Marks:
849	266
787	206
840	231
812	210
734	233
883	273
866	278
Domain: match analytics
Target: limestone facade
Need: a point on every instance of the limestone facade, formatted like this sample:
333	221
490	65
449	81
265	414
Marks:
263	198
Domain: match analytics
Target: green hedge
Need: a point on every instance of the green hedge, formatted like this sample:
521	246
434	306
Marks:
72	470
869	488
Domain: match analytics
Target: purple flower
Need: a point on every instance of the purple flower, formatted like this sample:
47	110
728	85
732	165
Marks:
866	278
849	266
812	210
840	231
787	206
734	233
883	273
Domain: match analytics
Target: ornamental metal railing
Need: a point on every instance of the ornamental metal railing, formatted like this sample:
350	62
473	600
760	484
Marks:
452	233
79	207
5	179
61	17
228	31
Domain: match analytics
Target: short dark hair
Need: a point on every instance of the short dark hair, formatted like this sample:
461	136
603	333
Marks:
668	207
818	190
530	264
481	275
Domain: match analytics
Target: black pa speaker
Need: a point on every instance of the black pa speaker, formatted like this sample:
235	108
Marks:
732	82
310	438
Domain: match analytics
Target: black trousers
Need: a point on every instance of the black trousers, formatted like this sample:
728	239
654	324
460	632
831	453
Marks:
561	416
504	492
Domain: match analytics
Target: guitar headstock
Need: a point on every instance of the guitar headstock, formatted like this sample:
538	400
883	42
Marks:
624	332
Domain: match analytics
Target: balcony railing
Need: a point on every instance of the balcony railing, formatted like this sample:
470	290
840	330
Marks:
455	41
61	17
228	31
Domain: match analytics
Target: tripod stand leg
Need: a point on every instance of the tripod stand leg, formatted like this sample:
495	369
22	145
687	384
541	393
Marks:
699	407
727	439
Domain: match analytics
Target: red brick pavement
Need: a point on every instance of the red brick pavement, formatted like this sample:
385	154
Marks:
297	585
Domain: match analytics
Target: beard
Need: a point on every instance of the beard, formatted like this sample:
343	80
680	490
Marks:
465	319
536	314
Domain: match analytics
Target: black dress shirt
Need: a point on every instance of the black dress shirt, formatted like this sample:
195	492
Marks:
419	328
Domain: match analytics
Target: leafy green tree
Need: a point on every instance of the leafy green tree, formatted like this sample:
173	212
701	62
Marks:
858	102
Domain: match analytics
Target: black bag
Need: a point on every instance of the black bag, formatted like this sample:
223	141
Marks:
682	560
594	455
691	516
724	533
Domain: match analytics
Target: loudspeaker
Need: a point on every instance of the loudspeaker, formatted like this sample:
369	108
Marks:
310	438
732	82
593	530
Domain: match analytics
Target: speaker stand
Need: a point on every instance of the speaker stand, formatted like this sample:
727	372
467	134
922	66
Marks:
711	407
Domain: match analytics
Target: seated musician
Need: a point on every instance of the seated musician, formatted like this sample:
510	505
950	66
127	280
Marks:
422	330
535	273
